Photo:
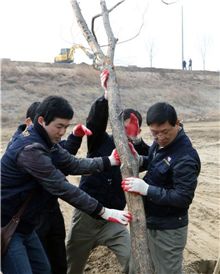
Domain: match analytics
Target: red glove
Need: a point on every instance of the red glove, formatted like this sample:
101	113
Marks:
80	130
132	128
104	79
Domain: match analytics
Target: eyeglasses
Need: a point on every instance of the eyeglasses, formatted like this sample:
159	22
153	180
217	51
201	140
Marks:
163	132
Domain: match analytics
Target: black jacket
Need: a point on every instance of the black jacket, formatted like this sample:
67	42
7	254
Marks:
71	144
33	162
104	186
172	176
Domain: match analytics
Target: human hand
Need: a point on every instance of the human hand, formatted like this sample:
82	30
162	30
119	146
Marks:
135	154
116	216
133	150
132	127
81	130
114	158
104	79
136	185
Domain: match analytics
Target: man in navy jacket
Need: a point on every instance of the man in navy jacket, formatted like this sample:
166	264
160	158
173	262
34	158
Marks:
35	161
51	227
167	188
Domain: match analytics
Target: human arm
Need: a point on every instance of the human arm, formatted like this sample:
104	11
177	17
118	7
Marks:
141	147
74	140
185	173
104	80
35	161
97	121
184	177
71	144
142	160
70	165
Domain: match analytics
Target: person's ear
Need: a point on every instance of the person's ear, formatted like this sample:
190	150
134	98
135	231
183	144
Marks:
178	122
28	122
40	120
139	131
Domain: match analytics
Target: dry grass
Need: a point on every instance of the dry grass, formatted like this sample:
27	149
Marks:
195	94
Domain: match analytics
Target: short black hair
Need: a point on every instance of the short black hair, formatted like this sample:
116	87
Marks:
127	112
54	107
161	113
32	110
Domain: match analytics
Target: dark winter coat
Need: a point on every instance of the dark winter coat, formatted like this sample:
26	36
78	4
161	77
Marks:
104	186
33	162
172	176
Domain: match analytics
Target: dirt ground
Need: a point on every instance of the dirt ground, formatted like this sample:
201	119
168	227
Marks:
196	98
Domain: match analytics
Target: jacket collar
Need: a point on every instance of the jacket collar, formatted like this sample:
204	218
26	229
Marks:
179	135
43	134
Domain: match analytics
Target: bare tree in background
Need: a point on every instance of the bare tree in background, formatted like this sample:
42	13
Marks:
205	43
150	46
129	166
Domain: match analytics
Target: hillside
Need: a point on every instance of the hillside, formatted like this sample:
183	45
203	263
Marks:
195	94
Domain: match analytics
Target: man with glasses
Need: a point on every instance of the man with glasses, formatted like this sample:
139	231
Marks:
167	188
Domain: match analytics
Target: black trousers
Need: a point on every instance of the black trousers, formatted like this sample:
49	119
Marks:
51	231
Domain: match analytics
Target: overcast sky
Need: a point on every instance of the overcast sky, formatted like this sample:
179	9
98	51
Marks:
36	31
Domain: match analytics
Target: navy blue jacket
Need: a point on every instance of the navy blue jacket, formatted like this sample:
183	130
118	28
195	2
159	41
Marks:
104	186
21	128
71	144
172	176
33	162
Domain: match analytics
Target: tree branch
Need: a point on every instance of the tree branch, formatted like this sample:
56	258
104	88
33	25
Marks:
111	39
98	15
99	55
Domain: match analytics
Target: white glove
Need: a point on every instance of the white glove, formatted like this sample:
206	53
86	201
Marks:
116	216
104	79
114	158
136	185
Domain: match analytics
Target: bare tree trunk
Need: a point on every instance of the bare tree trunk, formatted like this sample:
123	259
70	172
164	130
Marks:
138	230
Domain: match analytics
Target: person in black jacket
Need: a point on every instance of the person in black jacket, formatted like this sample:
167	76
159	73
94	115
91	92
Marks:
86	233
167	188
35	161
51	227
29	118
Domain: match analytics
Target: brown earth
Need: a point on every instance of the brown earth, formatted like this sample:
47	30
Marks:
195	95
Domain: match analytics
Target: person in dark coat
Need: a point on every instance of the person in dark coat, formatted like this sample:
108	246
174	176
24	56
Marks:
190	64
167	188
51	227
184	65
36	162
29	118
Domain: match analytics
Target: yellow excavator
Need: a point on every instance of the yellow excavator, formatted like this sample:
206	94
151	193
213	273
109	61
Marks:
67	54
